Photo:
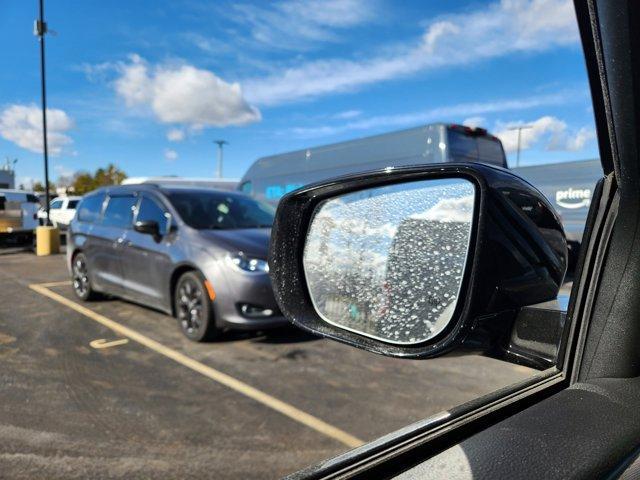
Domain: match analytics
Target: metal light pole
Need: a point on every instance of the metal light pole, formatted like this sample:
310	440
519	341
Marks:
220	143
519	129
40	30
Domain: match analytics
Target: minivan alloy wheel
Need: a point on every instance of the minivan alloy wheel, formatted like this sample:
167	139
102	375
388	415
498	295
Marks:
190	297
80	276
193	309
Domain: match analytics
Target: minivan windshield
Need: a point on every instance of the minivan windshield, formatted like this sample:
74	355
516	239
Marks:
205	210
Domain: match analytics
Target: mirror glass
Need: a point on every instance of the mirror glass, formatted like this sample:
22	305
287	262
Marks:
388	262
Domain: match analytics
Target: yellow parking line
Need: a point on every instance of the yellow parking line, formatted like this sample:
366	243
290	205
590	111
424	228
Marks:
55	284
222	378
102	343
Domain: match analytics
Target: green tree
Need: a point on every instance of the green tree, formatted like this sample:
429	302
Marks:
39	187
84	182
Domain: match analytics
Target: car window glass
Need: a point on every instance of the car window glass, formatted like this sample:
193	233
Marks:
150	210
72	204
119	211
217	210
56	205
90	208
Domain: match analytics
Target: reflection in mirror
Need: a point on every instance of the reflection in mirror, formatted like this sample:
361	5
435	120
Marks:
388	262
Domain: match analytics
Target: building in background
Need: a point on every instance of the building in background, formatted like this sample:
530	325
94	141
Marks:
7	175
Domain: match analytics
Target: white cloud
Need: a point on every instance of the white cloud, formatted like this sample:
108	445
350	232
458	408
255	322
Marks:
183	94
474	122
455	209
62	170
170	155
22	125
96	72
134	84
551	131
502	28
475	109
580	139
298	24
348	114
176	135
207	44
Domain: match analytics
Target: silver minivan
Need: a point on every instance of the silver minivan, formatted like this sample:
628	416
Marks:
198	254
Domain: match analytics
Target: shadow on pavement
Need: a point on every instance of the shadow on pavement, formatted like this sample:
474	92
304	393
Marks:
282	335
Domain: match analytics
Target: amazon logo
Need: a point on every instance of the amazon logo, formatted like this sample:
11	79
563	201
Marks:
573	198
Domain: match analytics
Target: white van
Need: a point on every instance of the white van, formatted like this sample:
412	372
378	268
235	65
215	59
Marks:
61	211
18	213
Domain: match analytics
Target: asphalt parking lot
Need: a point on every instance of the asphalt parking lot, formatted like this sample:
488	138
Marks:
110	389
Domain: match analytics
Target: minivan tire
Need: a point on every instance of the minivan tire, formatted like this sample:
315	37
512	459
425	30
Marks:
81	280
194	309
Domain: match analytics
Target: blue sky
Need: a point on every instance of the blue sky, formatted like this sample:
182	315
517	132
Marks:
148	85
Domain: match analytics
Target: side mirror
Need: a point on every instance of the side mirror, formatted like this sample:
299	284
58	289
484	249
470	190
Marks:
149	227
415	261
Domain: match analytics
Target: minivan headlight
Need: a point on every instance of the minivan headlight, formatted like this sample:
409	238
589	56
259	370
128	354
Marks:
248	264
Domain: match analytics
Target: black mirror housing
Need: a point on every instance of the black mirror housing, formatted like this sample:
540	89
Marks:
517	257
149	227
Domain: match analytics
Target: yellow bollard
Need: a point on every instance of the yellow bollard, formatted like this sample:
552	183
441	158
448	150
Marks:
47	241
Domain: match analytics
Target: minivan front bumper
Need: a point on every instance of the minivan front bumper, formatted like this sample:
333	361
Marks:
249	289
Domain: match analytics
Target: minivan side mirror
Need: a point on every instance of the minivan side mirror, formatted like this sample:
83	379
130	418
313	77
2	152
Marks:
149	227
415	261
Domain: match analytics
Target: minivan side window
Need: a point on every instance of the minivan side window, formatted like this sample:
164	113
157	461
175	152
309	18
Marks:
55	205
119	211
72	204
150	210
90	208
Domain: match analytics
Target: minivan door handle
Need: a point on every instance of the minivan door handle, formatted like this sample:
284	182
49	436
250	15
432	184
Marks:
118	242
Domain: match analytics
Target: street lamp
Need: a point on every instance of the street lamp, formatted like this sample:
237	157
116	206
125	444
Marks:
220	143
519	129
40	29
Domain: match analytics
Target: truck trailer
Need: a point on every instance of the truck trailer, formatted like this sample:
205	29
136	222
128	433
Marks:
269	178
567	185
